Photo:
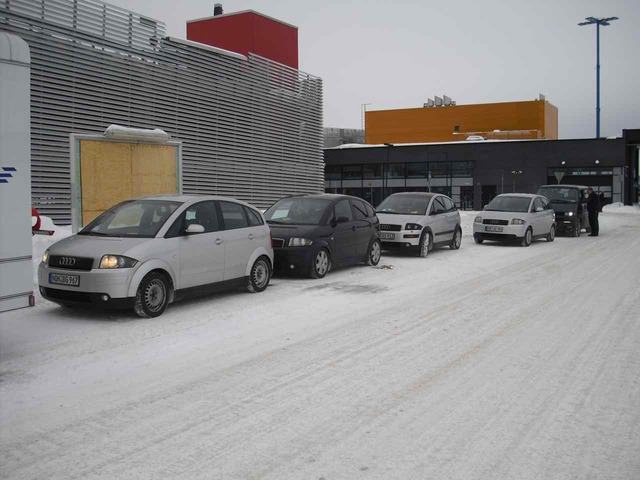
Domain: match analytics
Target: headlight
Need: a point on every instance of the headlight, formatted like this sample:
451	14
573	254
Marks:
412	226
478	220
299	242
517	221
45	257
117	261
569	214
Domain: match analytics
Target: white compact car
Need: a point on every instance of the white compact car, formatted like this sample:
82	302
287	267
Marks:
143	253
517	217
420	221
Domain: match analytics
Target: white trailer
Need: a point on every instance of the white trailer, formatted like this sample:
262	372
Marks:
16	267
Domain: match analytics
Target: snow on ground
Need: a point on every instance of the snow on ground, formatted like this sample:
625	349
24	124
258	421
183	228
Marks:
491	362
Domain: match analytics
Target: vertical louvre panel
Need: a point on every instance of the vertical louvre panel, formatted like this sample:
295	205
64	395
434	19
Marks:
251	128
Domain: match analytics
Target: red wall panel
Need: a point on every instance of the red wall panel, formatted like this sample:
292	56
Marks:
248	32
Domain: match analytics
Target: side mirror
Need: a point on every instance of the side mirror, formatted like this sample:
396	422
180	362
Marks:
539	209
194	228
342	220
484	208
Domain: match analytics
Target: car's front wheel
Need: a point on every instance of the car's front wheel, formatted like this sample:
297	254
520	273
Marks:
375	252
552	234
321	264
457	239
259	275
478	240
528	237
577	229
152	297
425	245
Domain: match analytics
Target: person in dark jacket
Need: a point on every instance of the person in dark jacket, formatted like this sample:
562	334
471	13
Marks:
593	208
602	201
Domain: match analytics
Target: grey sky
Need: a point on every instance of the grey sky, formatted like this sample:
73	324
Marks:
397	54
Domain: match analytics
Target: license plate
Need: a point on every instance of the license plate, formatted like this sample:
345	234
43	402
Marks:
493	229
68	280
387	236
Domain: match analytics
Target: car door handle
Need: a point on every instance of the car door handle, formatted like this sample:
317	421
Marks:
353	228
251	236
219	241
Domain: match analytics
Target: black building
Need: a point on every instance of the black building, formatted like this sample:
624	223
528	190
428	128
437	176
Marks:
473	172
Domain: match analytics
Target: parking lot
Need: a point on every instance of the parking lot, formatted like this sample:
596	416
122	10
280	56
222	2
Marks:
490	362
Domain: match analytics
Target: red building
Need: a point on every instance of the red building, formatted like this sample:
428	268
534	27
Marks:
247	32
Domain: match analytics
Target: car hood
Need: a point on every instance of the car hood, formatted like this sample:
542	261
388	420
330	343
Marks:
394	219
564	207
306	231
94	247
503	215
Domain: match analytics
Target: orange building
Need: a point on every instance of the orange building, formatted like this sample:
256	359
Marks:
510	120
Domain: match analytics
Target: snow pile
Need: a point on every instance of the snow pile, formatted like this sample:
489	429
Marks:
621	208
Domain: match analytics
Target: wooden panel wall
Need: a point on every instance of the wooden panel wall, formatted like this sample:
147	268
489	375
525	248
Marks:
111	172
437	124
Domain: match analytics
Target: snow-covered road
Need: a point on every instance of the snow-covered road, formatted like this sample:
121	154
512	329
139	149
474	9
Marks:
491	362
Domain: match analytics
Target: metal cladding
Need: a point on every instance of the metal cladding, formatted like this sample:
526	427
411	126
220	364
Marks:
251	128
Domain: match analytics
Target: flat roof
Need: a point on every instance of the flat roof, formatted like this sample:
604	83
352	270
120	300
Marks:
213	17
347	146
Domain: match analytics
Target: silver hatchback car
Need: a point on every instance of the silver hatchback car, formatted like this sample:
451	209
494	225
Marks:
144	253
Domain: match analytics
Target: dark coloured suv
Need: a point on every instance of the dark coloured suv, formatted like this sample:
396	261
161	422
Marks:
313	233
569	202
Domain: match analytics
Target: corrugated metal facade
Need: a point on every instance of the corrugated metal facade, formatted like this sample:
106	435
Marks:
250	128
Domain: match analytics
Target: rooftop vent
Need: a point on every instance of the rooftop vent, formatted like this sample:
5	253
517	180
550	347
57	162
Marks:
217	9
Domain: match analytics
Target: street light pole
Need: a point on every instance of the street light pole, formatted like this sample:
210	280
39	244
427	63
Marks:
604	22
513	176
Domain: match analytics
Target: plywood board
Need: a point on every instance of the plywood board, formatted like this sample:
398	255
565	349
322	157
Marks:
111	172
153	169
105	173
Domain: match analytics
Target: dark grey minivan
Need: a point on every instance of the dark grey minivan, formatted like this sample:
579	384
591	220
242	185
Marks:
569	202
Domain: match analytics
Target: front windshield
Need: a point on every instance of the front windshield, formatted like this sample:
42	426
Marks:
509	204
404	204
297	211
560	194
136	218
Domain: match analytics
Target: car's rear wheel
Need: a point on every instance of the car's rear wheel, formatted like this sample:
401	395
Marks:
375	252
259	275
321	264
426	244
552	234
152	297
457	239
528	237
577	229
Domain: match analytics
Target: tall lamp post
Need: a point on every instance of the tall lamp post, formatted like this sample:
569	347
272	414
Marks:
604	22
385	173
514	173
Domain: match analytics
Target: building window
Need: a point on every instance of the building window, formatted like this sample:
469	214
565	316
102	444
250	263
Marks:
438	169
372	170
395	170
352	172
333	172
462	169
456	128
417	170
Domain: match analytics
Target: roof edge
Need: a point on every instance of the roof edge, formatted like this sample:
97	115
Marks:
213	17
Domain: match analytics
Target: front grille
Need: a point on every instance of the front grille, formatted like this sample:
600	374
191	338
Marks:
71	263
390	228
70	295
492	221
278	243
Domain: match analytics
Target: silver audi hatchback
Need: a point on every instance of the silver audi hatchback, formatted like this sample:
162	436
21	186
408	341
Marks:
147	252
